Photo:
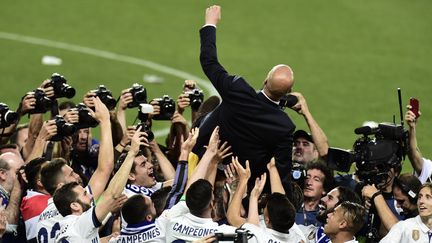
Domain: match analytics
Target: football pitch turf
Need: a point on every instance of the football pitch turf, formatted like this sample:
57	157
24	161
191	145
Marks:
349	57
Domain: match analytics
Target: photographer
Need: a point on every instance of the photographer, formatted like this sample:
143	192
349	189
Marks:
379	197
404	191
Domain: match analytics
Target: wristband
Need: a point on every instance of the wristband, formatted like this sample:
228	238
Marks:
121	145
375	195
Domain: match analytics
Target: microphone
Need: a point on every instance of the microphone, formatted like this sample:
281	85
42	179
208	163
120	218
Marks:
365	130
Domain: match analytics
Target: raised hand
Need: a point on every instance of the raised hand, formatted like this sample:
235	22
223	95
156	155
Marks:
259	186
190	142
243	173
125	98
213	15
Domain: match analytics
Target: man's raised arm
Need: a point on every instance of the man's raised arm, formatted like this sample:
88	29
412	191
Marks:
208	57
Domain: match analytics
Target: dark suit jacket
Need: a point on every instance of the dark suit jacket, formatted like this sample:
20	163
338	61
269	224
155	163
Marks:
256	128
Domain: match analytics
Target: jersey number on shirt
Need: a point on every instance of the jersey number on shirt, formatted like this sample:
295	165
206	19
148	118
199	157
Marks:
43	233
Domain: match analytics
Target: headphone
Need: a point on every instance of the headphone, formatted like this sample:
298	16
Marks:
412	196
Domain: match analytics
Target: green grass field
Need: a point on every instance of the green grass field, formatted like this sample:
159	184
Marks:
349	57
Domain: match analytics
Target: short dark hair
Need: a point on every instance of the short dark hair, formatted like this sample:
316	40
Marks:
64	196
281	212
159	198
409	185
122	158
355	214
51	173
135	210
32	171
199	196
328	182
348	195
66	105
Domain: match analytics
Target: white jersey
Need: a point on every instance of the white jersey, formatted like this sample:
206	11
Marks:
426	171
82	228
131	189
49	222
182	225
264	234
143	232
410	230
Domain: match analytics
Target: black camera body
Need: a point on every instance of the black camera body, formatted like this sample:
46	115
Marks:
139	95
374	156
42	104
60	86
105	95
64	129
196	98
85	119
288	100
240	236
7	117
167	108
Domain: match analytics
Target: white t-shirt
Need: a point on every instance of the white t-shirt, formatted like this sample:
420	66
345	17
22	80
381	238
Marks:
183	225
410	230
426	171
264	234
48	225
142	232
82	228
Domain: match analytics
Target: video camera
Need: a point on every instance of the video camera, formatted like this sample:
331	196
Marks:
60	86
7	117
167	108
375	153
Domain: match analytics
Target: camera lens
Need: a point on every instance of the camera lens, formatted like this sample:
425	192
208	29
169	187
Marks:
68	91
10	117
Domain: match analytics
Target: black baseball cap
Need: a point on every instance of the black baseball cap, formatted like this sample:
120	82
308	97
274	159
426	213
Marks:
303	134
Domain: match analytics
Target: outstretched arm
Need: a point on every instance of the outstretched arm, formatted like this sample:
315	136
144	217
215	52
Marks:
253	215
414	154
234	209
318	135
219	77
101	176
275	180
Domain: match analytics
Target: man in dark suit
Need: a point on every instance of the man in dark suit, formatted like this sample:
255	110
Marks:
251	122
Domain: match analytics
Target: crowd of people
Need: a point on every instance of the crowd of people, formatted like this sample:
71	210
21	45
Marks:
222	177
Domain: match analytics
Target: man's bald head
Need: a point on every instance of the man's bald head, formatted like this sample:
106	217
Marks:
279	81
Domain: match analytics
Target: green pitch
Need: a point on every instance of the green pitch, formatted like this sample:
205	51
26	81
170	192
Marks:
349	57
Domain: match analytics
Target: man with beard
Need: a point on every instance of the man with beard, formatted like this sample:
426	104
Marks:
327	205
81	219
57	172
419	228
